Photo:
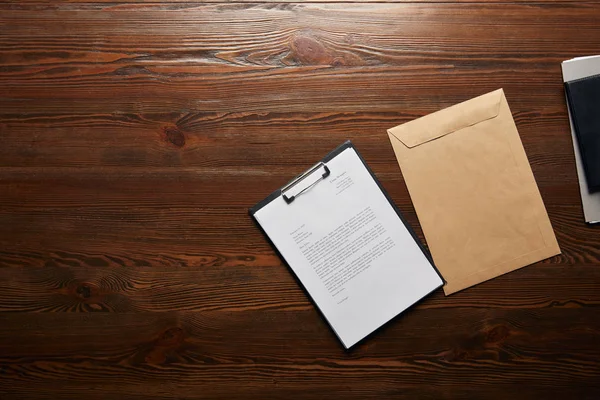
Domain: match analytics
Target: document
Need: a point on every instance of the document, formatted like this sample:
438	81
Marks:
350	249
577	68
473	190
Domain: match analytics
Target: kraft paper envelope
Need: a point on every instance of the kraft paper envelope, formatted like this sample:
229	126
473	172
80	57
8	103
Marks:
472	187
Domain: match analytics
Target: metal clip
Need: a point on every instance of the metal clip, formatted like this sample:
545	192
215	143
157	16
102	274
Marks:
293	183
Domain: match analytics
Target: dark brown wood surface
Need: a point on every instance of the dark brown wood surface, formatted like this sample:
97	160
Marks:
134	136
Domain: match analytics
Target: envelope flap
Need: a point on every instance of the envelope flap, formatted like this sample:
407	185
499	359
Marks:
448	120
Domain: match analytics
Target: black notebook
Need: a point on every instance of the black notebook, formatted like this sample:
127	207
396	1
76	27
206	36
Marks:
583	96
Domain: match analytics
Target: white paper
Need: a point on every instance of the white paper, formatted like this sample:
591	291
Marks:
578	68
350	249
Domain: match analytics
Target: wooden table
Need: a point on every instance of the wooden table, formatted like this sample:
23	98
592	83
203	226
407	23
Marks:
134	137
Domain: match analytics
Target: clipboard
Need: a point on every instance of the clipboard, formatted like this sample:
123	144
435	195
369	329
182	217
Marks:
301	186
307	174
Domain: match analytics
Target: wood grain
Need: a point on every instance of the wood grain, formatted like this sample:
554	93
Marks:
494	348
173	4
135	135
205	282
145	58
225	142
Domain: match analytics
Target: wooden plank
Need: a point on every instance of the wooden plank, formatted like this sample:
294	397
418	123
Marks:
420	89
183	4
271	142
393	55
73	282
360	89
202	232
277	354
105	188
